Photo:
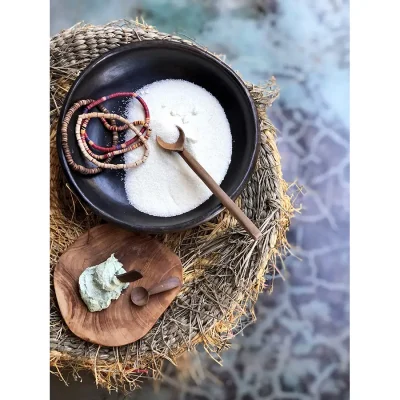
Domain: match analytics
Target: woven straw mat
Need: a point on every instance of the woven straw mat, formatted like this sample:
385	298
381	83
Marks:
223	268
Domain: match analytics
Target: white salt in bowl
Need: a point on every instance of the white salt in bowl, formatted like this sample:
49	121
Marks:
133	66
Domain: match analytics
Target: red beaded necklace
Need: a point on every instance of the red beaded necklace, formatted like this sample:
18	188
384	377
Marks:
115	128
84	141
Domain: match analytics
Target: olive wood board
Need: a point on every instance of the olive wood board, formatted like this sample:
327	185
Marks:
122	322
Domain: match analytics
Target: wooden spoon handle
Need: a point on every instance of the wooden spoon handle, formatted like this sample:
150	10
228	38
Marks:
163	286
223	197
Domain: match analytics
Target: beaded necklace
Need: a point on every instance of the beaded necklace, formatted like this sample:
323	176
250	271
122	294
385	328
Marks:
84	148
84	142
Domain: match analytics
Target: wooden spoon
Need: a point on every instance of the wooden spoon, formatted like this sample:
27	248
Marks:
179	147
140	295
130	276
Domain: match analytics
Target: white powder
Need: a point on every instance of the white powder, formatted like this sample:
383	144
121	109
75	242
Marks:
165	185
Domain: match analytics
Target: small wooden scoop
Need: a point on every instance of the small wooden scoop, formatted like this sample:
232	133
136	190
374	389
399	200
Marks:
140	295
130	276
178	146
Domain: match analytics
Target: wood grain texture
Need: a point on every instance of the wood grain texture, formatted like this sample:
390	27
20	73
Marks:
179	147
122	322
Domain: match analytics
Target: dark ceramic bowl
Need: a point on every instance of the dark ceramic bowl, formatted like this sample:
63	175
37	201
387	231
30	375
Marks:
127	68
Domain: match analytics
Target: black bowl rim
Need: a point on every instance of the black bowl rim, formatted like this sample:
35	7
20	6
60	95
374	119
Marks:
167	228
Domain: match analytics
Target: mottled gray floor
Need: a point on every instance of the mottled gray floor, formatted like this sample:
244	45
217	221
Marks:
299	347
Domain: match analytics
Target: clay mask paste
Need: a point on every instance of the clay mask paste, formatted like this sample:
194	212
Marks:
98	285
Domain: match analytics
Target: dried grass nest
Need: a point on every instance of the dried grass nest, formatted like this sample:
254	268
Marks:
223	269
